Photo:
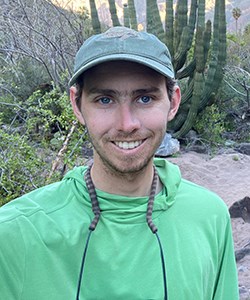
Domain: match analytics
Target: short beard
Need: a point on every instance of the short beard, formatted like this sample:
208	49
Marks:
111	169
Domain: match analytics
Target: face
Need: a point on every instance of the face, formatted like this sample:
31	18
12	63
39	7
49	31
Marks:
125	107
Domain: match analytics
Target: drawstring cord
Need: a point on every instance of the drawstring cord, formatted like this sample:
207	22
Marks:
97	212
154	229
93	197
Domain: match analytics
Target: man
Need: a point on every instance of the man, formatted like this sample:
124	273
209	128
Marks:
128	226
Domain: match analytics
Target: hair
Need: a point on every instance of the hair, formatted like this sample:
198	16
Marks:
170	84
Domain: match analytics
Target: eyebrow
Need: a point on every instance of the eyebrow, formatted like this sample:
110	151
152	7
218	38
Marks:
149	90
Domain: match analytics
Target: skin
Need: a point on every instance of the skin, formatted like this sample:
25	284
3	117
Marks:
125	107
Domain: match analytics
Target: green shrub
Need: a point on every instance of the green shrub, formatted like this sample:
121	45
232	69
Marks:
29	145
20	166
210	125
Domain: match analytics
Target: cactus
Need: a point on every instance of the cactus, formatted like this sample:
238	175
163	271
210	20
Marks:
94	17
169	25
126	15
132	14
113	12
154	24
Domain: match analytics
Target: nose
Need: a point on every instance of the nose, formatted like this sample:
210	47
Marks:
126	118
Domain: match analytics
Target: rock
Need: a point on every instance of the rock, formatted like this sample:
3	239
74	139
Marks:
241	209
198	148
244	292
243	148
169	146
239	254
192	136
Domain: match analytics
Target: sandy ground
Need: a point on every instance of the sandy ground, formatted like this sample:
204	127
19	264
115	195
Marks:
229	176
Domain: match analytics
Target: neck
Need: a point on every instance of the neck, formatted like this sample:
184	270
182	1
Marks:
136	184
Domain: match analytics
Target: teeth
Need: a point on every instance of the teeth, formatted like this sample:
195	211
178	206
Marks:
128	145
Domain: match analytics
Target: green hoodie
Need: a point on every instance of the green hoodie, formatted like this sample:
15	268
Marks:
43	235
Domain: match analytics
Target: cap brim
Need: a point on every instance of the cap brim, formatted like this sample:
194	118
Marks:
153	64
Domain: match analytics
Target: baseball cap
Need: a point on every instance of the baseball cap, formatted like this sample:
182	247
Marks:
122	43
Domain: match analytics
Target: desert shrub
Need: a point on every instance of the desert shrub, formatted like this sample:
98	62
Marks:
210	125
20	166
47	113
30	144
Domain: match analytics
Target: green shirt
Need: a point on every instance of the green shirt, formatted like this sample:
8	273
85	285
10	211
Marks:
43	235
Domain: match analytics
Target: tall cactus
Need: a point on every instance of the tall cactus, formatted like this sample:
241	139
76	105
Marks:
94	17
169	25
132	14
126	15
154	24
113	12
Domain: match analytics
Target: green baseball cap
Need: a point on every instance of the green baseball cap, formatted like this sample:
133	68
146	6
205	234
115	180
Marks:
122	43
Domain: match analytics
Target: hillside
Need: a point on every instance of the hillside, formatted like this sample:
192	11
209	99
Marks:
104	15
230	5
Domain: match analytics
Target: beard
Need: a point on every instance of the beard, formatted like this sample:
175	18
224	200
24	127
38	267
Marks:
124	166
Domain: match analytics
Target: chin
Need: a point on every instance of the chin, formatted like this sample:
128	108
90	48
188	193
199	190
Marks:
132	167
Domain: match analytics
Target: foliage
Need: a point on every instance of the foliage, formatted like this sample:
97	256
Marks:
38	42
30	142
46	114
210	125
235	100
20	167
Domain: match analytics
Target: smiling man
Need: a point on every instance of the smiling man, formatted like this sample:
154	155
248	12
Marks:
128	226
126	107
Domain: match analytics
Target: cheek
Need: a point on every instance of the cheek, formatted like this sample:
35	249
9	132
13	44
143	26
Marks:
158	117
97	125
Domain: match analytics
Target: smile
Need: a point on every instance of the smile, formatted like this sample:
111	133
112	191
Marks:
128	145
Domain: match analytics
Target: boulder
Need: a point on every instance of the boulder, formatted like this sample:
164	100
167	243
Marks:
241	209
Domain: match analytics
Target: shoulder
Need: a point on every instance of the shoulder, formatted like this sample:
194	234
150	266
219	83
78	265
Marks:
205	206
30	203
47	199
200	193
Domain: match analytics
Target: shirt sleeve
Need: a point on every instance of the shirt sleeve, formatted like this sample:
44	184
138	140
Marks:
12	260
227	279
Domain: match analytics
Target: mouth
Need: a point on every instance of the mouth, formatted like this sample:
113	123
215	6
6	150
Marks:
128	145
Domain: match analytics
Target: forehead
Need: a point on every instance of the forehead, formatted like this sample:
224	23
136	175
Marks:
114	70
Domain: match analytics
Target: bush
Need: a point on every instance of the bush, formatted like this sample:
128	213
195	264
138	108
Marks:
29	145
210	125
20	166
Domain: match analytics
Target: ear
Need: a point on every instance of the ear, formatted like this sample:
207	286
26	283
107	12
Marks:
75	107
174	103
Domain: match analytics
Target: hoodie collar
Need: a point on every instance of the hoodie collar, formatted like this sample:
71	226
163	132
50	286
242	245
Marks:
125	208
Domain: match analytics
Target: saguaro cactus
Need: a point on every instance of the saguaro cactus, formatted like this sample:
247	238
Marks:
132	14
154	24
126	15
94	17
113	13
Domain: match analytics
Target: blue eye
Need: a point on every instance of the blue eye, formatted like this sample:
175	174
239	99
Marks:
145	99
105	100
